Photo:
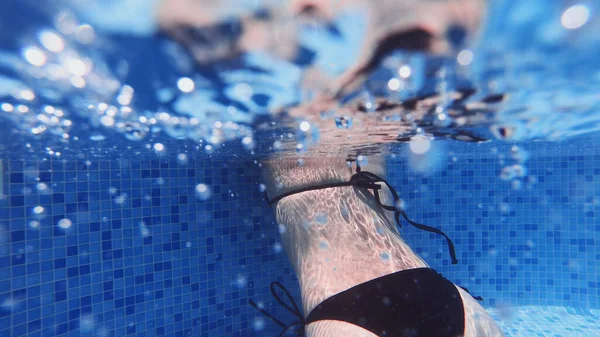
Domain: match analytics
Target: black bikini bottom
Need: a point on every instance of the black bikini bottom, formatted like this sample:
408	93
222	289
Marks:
409	303
413	302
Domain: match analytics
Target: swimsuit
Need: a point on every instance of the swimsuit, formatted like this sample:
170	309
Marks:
408	303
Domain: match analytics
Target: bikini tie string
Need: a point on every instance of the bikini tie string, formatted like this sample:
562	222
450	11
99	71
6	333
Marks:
368	180
294	310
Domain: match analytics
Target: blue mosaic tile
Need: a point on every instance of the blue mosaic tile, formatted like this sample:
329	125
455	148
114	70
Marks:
140	255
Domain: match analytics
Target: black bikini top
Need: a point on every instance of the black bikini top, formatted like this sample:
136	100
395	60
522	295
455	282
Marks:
412	302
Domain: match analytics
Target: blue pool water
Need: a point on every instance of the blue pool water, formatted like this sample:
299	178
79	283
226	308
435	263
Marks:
131	207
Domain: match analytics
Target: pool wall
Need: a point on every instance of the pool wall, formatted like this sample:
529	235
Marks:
144	257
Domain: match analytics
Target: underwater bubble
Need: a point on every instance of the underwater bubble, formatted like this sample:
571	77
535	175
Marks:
575	17
304	126
158	147
277	248
362	160
85	34
321	218
186	84
144	231
86	324
420	144
394	84
203	192
77	67
112	190
258	324
300	162
277	145
35	56
134	130
504	207
404	71
41	187
64	223
240	281
34	224
516	185
507	173
323	245
25	94
188	244
248	143
125	95
519	170
38	210
343	122
107	120
51	41
209	149
177	127
369	103
519	154
400	204
182	159
442	120
281	228
465	57
262	187
78	82
120	199
7	107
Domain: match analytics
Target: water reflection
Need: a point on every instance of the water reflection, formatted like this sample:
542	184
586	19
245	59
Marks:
263	72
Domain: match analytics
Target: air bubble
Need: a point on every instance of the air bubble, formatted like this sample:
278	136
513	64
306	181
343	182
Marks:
258	324
401	204
186	84
182	159
133	130
203	192
281	228
120	199
241	281
248	143
304	126
51	41
35	56
64	223
404	71
158	147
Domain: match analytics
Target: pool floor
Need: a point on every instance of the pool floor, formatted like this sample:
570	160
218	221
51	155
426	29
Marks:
534	321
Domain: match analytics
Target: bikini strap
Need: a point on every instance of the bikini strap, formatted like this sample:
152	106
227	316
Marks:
368	180
293	309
